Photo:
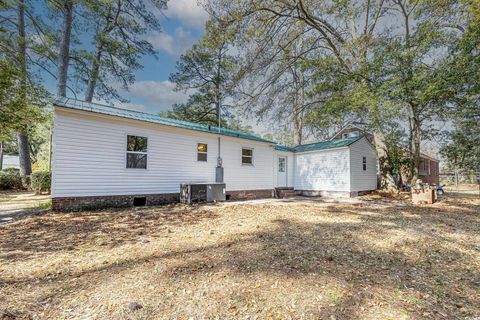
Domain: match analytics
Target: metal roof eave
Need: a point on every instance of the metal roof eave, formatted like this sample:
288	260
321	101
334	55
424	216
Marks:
152	118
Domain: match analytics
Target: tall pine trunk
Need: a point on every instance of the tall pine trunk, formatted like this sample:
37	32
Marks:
64	52
1	155
298	111
94	72
22	138
297	127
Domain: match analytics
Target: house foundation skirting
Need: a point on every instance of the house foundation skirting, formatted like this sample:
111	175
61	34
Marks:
250	194
339	194
119	201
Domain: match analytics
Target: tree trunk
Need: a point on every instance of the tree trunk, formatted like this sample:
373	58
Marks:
64	51
387	182
217	111
297	126
218	103
22	138
24	155
455	173
416	137
297	112
1	155
92	80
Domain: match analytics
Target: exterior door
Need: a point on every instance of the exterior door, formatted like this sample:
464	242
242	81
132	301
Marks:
282	172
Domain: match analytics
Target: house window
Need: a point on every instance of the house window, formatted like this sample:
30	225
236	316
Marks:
350	134
281	164
247	156
202	152
364	163
137	152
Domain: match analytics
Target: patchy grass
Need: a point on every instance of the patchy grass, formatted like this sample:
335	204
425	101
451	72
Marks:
18	200
374	259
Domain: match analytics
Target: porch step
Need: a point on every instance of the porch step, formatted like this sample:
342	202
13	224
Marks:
283	193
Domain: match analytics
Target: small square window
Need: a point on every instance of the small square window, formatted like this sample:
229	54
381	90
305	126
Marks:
350	134
136	152
202	152
137	144
136	161
247	156
364	163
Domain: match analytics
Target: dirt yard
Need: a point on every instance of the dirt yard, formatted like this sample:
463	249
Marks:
310	259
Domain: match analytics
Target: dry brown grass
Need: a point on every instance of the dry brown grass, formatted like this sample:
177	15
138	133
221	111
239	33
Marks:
378	259
21	200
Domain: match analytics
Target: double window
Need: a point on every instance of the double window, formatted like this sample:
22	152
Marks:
202	152
137	152
364	163
247	156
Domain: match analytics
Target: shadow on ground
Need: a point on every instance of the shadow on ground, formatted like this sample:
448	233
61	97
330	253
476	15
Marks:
432	273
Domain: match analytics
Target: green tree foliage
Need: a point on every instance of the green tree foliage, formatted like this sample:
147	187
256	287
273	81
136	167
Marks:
119	41
13	115
197	109
462	151
208	71
364	58
17	47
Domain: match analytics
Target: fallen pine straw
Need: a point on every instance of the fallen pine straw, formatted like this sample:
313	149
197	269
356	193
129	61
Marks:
377	259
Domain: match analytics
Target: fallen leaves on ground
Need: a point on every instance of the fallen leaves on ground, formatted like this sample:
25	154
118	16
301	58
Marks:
372	259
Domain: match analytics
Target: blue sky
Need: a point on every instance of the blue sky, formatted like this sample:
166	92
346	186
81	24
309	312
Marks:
182	24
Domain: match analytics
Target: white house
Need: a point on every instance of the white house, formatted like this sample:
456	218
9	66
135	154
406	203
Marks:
10	161
107	156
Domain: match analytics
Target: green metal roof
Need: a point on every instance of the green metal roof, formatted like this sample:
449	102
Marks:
322	145
330	144
279	147
148	117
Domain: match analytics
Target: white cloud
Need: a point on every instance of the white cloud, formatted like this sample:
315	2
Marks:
190	12
174	44
159	95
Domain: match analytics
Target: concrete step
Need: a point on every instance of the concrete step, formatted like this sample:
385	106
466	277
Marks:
282	193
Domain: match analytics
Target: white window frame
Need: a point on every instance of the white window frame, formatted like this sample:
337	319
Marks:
364	163
197	152
241	156
137	152
351	134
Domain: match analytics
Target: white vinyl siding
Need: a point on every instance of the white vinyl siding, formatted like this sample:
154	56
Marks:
89	158
238	176
363	180
323	170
